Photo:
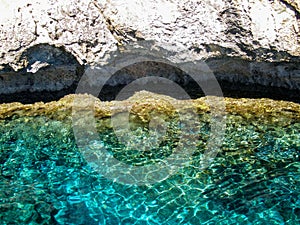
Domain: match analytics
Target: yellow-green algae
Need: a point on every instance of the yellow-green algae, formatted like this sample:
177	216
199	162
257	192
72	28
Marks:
142	103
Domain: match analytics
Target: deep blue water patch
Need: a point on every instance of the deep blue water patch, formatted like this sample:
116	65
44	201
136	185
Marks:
45	179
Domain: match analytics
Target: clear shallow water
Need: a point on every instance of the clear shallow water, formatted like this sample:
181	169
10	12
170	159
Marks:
255	179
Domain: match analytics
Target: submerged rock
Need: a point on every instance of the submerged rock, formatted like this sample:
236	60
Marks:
48	177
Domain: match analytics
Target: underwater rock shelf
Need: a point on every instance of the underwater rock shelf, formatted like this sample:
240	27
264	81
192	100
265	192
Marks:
46	178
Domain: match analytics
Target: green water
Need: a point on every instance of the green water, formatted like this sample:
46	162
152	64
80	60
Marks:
45	179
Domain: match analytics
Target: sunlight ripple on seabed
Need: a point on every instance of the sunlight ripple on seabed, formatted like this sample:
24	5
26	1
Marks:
254	179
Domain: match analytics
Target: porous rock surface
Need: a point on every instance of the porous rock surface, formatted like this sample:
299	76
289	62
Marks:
45	44
142	104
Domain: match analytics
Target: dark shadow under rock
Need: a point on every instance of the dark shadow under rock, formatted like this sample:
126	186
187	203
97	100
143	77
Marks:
51	73
45	70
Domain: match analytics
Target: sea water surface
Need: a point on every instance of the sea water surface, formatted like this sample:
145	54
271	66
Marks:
45	179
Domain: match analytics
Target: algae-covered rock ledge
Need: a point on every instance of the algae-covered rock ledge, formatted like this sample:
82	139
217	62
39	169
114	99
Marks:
143	103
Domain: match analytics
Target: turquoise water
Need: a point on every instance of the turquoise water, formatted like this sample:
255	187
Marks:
45	179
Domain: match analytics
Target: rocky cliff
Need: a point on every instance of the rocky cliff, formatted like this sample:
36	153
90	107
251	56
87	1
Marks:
47	45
